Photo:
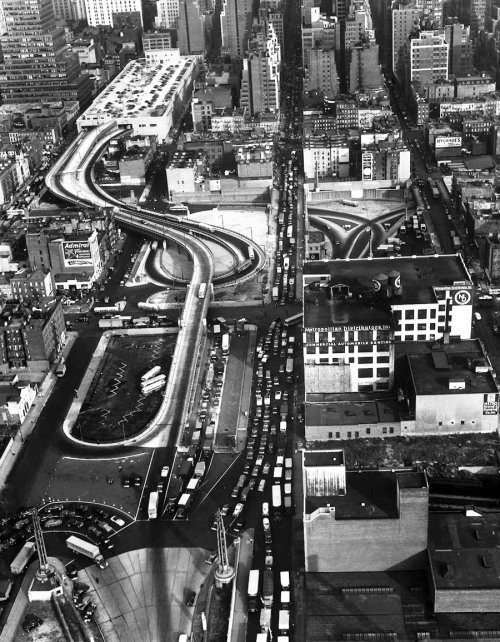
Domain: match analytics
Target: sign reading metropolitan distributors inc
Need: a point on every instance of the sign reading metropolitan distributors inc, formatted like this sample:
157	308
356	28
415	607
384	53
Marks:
77	254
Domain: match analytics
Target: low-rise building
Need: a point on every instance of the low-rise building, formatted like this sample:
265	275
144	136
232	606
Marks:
183	171
29	284
16	398
373	520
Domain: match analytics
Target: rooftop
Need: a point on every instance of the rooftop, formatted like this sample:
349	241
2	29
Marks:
324	458
142	89
350	413
433	366
464	552
369	495
419	275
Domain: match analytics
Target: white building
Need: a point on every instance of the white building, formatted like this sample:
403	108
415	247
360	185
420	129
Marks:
147	95
100	12
167	14
326	156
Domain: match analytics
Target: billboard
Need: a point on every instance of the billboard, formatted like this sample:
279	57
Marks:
77	254
448	141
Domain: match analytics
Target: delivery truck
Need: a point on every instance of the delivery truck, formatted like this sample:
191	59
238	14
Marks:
92	551
283	622
153	505
22	558
265	620
276	496
200	469
268	588
253	590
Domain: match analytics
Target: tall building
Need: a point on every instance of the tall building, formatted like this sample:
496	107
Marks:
260	82
69	9
364	68
235	23
461	49
167	14
191	31
405	18
427	57
100	13
37	63
321	73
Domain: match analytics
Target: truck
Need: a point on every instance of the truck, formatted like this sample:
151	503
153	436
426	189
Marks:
153	387
283	622
60	369
200	469
209	379
225	343
289	366
268	588
288	462
150	382
202	291
253	590
276	496
283	426
22	558
192	484
275	293
110	309
153	505
457	242
265	620
284	411
92	551
285	600
277	473
186	467
185	501
207	446
174	489
285	580
195	439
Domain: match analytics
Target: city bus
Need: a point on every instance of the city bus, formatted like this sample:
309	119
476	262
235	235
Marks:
296	319
202	291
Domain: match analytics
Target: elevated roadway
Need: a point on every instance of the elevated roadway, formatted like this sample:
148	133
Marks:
71	179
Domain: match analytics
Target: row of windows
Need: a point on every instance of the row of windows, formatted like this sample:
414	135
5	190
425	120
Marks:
385	430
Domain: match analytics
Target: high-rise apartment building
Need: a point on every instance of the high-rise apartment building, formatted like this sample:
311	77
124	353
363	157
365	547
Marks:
69	9
260	82
100	13
38	65
427	57
461	49
167	14
405	19
235	23
191	32
321	73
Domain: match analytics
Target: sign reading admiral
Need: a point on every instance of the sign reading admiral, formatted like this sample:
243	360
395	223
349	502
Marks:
77	254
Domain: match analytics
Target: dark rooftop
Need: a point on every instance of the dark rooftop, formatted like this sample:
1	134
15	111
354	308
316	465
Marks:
351	413
464	551
419	274
432	369
324	458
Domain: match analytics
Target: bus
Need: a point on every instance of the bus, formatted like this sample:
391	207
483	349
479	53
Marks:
251	253
289	365
151	373
296	319
202	291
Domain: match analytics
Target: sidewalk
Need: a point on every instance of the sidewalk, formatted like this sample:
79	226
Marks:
15	446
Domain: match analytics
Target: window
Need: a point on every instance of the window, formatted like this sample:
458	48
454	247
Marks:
330	435
365	373
391	430
384	430
356	434
383	359
410	314
433	313
382	372
421	326
462	422
420	337
337	435
365	360
349	435
440	423
441	318
422	314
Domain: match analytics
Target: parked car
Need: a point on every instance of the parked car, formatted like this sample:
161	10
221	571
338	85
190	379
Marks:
238	509
53	523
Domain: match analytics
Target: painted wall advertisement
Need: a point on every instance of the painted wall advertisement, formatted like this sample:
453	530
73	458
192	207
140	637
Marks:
490	404
77	254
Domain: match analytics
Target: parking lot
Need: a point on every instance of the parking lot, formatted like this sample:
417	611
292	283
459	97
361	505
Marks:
114	407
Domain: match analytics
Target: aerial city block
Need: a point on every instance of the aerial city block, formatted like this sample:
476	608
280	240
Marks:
250	320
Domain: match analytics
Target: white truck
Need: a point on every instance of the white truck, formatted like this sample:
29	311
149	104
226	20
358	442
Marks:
276	495
253	590
23	557
265	620
153	505
284	622
225	343
86	548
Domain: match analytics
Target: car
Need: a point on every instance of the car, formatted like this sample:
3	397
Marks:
251	484
262	485
277	395
268	538
92	530
126	482
117	520
266	469
76	523
31	622
265	509
53	523
239	525
137	480
238	508
105	526
160	487
211	558
71	571
225	510
236	491
164	471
